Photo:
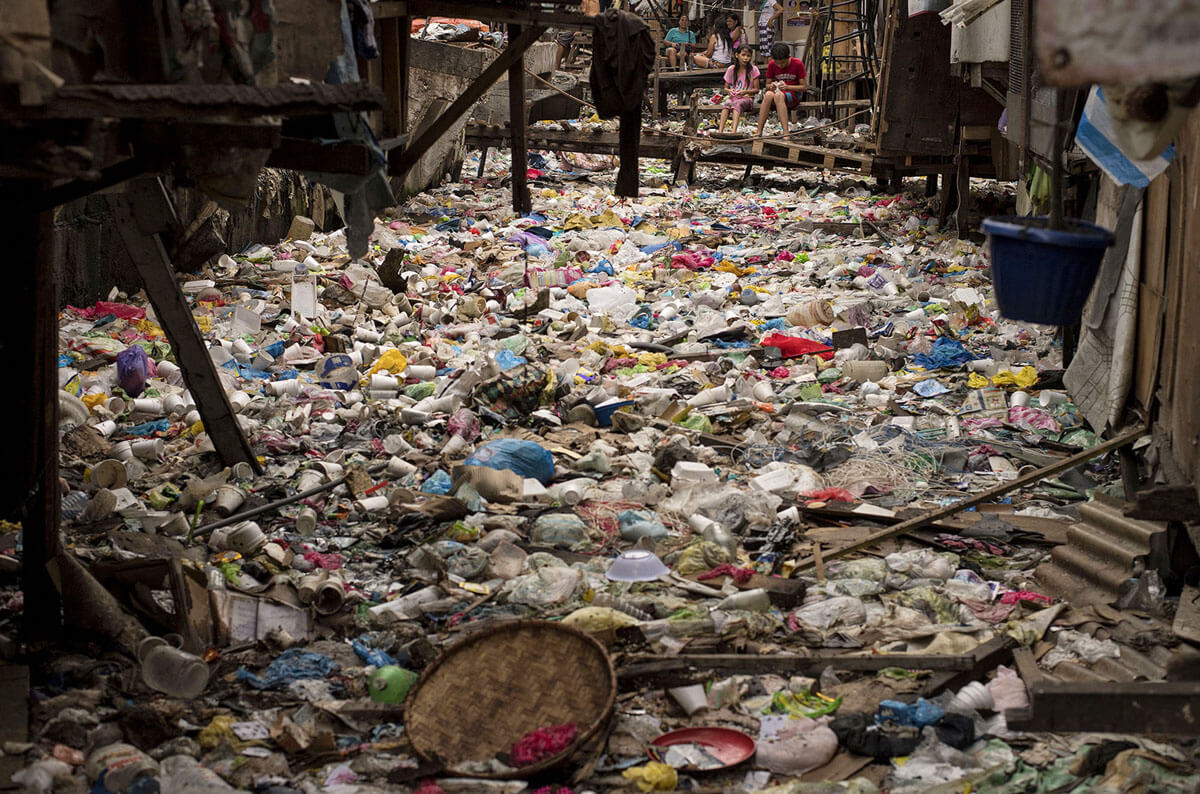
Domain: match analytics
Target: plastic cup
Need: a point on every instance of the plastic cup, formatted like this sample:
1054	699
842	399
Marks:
172	404
420	371
330	469
306	522
280	388
149	448
123	451
246	538
690	698
169	371
385	383
373	504
228	499
105	428
399	467
308	480
110	474
1019	399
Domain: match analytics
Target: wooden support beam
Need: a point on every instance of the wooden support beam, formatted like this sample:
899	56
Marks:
402	160
305	154
403	55
518	119
1170	707
115	174
30	494
1165	503
142	213
654	671
1122	439
394	88
14	699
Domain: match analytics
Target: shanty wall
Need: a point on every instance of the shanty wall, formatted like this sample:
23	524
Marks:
1168	351
91	259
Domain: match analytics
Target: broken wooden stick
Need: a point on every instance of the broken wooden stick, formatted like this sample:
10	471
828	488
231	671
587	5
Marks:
1128	437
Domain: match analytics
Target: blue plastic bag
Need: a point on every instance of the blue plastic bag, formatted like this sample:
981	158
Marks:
523	457
291	665
438	483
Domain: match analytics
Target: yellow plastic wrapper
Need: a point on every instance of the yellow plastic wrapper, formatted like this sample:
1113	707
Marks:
393	361
1024	379
218	732
726	266
577	221
607	218
700	557
92	400
652	359
977	381
653	776
597	619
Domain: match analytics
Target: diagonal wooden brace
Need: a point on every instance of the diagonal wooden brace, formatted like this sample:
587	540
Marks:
142	213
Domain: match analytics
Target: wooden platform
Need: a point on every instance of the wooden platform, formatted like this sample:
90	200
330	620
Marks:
659	145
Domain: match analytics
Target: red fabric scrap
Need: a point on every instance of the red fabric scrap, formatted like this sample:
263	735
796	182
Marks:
792	346
542	743
740	575
830	495
687	260
330	562
429	787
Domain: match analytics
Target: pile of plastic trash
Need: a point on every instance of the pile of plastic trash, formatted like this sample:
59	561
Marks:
625	415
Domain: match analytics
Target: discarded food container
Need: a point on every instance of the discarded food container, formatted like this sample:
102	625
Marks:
168	669
756	600
228	499
636	566
691	698
1042	275
604	411
119	765
109	474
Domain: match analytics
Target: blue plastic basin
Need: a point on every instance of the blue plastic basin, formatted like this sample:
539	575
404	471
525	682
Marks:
1041	275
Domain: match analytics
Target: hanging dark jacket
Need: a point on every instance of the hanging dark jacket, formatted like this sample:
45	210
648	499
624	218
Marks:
622	60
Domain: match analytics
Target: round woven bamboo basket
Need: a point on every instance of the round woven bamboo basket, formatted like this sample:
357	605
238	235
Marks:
486	692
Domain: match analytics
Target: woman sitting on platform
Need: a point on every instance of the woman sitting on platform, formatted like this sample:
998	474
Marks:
721	45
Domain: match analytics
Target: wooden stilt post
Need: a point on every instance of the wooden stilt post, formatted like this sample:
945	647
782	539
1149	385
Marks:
31	495
522	204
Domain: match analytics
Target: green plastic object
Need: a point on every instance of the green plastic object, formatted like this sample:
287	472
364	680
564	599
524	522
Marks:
390	684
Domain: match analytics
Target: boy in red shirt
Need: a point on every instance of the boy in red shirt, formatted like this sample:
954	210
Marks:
786	84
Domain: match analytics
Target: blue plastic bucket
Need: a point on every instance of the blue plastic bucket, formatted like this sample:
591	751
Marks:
1041	275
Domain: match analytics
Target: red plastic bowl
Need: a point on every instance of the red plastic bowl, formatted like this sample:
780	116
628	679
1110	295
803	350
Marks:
727	745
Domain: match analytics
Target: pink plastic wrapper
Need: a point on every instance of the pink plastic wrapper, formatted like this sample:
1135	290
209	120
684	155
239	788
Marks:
330	562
